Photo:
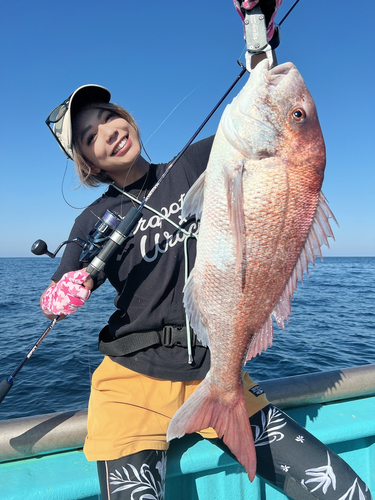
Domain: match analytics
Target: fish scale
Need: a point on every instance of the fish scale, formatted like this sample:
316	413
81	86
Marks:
263	219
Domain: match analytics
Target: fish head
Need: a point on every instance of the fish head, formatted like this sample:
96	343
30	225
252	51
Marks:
274	115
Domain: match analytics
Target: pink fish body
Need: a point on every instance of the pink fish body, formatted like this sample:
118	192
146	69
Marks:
263	218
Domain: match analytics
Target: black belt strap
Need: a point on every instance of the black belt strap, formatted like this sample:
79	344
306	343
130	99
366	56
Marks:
137	341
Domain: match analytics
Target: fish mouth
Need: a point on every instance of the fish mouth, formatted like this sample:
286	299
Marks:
278	74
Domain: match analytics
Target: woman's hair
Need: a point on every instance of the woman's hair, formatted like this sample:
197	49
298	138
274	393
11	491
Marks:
82	165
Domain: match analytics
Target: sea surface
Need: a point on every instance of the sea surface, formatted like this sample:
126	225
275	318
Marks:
332	327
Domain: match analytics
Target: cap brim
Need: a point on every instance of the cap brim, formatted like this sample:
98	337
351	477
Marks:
88	94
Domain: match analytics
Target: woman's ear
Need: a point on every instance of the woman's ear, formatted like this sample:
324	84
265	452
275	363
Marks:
95	170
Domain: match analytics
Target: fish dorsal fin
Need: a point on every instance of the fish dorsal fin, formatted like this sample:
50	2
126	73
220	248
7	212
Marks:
233	184
319	231
193	202
192	311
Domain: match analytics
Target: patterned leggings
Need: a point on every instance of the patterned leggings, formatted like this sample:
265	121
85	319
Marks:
288	457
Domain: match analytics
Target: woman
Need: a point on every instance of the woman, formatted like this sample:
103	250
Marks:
146	374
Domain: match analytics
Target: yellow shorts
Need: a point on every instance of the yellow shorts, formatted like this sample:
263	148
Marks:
129	412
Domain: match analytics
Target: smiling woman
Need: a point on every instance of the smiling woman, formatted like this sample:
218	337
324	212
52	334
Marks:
106	136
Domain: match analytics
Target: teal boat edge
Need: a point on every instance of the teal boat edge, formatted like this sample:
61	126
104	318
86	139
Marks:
41	457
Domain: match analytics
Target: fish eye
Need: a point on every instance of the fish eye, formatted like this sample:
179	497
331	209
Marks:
298	114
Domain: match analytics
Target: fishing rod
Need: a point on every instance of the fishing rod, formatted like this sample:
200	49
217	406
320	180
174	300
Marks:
109	234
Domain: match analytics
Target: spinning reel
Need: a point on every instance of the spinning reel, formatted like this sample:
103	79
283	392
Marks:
96	238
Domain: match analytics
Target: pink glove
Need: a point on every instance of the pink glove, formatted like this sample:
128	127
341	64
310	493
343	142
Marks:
67	295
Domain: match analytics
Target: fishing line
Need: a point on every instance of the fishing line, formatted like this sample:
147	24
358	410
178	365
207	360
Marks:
156	212
62	189
175	160
144	149
173	110
243	51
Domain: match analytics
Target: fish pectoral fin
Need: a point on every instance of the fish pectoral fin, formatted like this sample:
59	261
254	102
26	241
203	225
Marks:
233	182
193	202
192	311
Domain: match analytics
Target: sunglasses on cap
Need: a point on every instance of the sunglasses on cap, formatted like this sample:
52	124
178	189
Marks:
55	116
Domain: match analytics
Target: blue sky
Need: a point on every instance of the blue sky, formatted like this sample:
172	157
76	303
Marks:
154	57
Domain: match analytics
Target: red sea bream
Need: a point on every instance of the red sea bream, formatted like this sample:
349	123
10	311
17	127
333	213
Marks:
263	218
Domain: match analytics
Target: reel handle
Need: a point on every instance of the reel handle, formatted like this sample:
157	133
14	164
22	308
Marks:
39	247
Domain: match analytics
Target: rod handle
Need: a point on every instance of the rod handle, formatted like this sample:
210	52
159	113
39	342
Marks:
5	387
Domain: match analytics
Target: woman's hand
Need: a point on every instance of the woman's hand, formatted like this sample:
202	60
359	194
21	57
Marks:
67	295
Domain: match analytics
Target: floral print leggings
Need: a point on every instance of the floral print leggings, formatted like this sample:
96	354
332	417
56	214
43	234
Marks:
288	457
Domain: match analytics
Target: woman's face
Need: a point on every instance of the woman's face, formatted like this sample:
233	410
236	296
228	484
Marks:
108	142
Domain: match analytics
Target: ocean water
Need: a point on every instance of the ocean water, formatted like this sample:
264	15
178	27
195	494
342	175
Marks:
332	327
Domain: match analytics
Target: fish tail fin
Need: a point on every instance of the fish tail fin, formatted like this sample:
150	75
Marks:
231	423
